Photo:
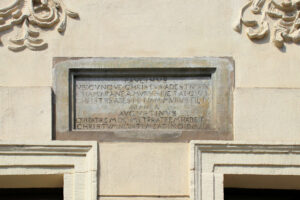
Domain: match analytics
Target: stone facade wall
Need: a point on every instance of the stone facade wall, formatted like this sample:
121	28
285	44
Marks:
266	94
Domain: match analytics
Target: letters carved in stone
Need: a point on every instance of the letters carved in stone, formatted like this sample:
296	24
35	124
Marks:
153	102
33	15
279	17
149	99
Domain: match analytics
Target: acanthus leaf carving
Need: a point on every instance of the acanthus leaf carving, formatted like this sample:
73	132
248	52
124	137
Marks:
280	18
33	15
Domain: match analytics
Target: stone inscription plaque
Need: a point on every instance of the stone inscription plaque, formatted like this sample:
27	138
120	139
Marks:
150	102
143	99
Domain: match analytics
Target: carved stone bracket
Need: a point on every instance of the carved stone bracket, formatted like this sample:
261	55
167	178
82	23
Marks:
279	17
33	15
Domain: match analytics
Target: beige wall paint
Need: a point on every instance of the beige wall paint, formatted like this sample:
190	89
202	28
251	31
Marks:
264	114
266	104
146	169
25	114
160	28
166	28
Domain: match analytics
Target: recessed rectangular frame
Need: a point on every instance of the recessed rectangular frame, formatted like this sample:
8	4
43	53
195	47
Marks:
211	160
221	71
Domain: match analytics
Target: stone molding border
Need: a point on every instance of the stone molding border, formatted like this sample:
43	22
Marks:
76	161
210	160
220	70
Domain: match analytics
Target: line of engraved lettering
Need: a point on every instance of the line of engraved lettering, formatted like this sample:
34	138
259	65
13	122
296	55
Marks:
153	78
163	93
147	100
140	86
147	113
80	126
148	119
134	122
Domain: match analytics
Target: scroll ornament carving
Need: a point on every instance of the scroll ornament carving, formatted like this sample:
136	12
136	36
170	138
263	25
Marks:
32	16
280	18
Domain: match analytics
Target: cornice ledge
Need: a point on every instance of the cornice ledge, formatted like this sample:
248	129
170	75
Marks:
49	148
240	146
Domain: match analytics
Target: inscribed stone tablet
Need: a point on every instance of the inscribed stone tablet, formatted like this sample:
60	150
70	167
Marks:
151	99
154	102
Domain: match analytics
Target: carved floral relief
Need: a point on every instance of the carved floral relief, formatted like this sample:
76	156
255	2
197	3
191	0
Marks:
33	16
279	18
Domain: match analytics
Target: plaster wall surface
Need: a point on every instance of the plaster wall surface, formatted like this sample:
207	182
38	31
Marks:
266	102
267	114
25	114
166	28
145	169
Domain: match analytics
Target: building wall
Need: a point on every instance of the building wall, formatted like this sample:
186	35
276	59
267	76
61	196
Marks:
266	95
